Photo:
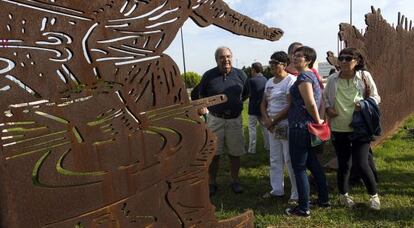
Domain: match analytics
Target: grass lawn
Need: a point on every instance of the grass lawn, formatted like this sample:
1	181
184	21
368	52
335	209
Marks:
395	163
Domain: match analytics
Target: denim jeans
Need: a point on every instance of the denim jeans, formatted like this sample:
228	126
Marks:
303	157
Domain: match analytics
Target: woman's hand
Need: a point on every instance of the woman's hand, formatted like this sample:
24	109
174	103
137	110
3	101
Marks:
331	112
357	107
268	123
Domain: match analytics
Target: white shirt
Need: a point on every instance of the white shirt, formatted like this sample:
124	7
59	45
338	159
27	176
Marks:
276	95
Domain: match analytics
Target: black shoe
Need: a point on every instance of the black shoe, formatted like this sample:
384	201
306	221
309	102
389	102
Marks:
212	189
236	188
295	211
315	203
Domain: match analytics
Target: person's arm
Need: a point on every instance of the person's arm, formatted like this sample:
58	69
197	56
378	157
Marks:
284	112
270	122
266	120
195	92
329	110
202	92
306	92
373	87
246	87
202	87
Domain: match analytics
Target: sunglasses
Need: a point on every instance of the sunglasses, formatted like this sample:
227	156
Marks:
346	58
274	62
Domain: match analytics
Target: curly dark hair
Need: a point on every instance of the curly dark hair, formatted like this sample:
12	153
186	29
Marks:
281	56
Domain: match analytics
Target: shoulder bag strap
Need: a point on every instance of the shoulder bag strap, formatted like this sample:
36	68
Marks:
367	91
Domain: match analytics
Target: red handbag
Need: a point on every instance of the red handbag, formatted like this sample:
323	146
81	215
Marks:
319	133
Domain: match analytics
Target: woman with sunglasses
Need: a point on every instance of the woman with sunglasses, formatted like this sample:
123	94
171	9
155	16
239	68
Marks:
274	109
343	93
306	99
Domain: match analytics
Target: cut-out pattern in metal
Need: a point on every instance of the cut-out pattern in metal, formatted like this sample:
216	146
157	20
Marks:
96	126
389	54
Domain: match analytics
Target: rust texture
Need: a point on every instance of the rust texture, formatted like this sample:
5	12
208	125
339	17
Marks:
97	129
389	54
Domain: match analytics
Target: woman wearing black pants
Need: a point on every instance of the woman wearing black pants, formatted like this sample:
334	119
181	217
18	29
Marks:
343	93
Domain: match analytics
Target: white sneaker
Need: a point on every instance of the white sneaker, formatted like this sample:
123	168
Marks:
293	201
346	200
375	202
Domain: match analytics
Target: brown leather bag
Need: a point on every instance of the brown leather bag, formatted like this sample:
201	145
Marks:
367	91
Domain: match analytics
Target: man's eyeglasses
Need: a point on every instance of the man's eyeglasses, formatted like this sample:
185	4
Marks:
346	58
274	62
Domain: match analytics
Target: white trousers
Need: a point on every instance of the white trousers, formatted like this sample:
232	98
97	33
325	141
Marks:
279	158
253	121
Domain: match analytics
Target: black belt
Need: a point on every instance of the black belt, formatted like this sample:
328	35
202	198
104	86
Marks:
224	115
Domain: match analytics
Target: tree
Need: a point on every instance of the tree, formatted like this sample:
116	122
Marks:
247	71
266	72
191	79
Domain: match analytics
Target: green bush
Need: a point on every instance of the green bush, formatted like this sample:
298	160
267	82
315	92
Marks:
191	79
266	71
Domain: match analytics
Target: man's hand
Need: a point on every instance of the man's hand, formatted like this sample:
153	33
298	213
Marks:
202	111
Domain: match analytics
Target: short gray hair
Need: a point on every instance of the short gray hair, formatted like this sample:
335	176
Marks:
219	49
293	46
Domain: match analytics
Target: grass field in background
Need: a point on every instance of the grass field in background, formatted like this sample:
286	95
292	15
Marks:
395	163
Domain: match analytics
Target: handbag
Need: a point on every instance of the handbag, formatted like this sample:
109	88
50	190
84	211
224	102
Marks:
281	132
367	91
319	133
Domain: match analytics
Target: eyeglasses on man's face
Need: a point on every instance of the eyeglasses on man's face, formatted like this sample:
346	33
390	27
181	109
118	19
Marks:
347	58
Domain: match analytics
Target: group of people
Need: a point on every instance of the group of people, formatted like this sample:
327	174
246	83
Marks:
284	105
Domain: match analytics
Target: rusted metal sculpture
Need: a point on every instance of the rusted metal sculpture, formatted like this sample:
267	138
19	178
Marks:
389	54
96	126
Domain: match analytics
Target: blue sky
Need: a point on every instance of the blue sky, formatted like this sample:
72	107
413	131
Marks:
313	22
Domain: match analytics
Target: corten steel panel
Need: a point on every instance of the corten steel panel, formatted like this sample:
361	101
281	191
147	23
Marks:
96	126
389	54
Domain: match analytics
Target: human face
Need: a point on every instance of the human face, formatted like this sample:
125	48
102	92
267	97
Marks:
293	52
300	62
224	60
347	62
277	68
